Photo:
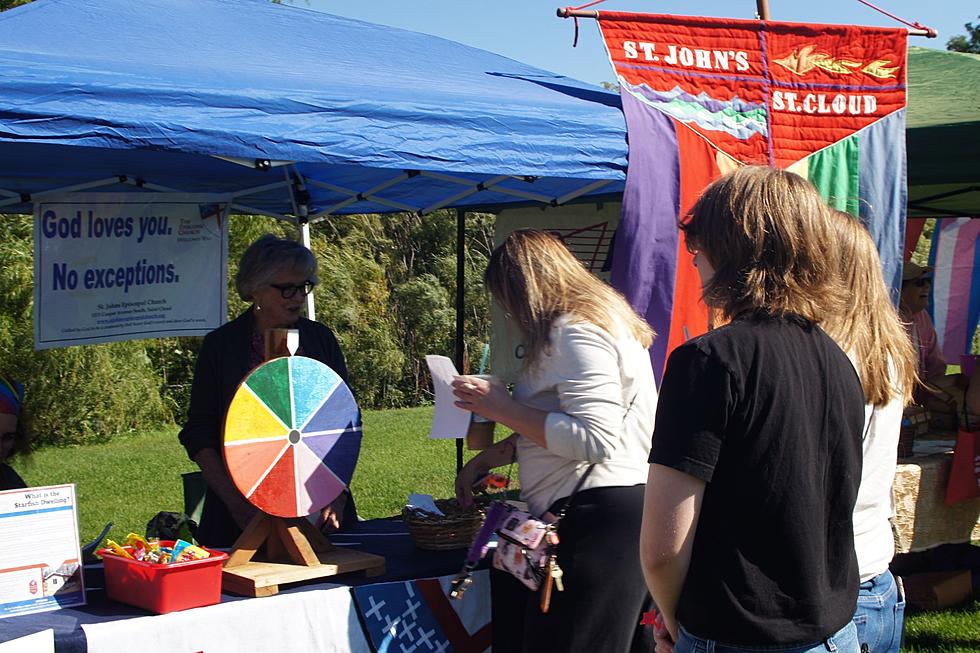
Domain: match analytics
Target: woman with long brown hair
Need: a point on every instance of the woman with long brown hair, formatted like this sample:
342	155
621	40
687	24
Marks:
746	538
583	408
870	331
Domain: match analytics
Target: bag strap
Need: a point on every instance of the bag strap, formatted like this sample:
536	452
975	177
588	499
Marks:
867	429
581	480
571	497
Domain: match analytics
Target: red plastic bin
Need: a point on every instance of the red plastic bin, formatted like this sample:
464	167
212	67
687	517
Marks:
163	588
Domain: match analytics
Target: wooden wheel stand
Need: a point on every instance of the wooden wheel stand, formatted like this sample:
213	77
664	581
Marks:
294	549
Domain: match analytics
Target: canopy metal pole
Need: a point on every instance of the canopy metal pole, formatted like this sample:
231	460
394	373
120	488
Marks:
762	9
304	234
928	32
460	309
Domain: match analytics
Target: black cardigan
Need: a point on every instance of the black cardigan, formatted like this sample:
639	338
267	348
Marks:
222	364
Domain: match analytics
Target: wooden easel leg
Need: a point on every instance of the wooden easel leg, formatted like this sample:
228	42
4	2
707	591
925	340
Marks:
295	543
250	541
317	540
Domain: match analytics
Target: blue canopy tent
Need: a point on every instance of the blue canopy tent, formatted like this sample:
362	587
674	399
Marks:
262	100
293	113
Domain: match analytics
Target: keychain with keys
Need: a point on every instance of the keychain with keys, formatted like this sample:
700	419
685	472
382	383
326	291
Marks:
556	574
459	585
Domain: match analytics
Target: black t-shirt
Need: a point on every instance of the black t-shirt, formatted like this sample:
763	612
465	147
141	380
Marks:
769	413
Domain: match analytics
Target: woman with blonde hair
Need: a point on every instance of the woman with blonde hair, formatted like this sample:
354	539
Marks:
746	540
582	412
870	331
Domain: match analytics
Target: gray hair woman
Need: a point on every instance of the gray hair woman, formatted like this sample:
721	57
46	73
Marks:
270	256
275	275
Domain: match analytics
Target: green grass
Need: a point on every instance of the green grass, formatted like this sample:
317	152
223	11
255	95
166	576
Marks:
129	480
945	631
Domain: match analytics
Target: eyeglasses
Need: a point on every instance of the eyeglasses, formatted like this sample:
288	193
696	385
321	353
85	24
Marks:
925	281
288	290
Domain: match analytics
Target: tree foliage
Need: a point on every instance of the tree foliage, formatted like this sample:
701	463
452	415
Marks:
77	394
387	289
10	4
968	43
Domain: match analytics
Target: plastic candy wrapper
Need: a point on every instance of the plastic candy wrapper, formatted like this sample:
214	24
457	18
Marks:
118	550
138	545
184	551
492	482
153	552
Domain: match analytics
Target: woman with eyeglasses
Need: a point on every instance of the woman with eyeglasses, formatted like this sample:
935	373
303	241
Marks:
275	275
13	437
916	285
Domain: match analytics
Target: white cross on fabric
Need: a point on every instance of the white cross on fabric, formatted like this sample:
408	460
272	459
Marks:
406	629
375	610
425	636
391	625
412	609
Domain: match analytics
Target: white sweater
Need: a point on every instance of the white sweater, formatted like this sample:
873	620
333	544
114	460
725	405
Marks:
874	543
588	381
873	539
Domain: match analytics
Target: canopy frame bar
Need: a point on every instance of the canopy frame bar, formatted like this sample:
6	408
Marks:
245	192
475	188
152	187
536	197
355	196
952	193
588	188
294	182
32	197
567	12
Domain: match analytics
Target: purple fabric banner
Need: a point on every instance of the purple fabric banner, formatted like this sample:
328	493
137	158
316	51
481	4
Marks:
645	255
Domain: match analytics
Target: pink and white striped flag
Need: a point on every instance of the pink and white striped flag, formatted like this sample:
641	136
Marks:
955	305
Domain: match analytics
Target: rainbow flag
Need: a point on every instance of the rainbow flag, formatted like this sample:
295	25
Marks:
955	302
703	96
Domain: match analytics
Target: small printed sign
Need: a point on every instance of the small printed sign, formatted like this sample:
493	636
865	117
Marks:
40	555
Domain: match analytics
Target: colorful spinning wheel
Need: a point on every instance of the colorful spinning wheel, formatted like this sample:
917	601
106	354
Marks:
292	435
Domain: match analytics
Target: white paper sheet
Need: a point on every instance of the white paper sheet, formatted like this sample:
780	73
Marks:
448	421
41	642
424	502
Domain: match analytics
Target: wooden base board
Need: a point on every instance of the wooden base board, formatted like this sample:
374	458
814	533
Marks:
257	578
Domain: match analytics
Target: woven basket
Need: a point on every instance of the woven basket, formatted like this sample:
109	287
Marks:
454	530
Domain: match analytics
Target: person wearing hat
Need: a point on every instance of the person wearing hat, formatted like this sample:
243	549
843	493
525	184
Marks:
944	395
916	286
13	438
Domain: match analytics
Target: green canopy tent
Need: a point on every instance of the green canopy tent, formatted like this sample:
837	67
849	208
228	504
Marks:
943	134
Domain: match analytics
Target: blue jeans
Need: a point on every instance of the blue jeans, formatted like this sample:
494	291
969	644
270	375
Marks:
843	641
879	616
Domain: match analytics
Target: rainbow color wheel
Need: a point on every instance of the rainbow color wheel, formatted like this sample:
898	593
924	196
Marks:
292	436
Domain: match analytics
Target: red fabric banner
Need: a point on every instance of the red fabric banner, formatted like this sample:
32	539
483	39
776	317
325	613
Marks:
763	92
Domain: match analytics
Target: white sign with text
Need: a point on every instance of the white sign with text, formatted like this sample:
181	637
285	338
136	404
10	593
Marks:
40	556
117	266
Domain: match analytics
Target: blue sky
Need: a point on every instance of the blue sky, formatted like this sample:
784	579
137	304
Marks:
529	31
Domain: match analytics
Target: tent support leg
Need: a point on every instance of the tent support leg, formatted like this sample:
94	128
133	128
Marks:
460	309
304	234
